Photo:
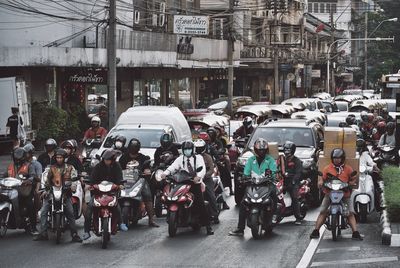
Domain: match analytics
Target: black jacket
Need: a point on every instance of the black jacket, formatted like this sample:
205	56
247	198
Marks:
141	158
75	162
160	150
45	160
103	173
294	168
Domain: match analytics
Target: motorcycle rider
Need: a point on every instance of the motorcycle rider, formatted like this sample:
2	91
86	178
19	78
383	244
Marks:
166	145
20	167
260	163
189	162
35	172
95	130
389	138
386	116
108	169
379	131
133	153
47	158
70	147
119	143
245	129
58	174
339	169
293	169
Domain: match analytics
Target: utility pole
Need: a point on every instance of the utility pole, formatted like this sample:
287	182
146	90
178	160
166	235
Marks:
276	57
230	57
331	84
365	87
112	65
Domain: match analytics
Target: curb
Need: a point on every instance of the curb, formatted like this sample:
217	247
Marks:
384	220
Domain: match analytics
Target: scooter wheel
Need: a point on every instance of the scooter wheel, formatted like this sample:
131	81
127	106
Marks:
105	234
256	229
172	223
3	225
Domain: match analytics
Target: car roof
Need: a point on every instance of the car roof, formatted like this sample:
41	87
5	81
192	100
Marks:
289	123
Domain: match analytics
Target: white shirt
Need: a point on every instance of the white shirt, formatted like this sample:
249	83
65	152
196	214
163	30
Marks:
390	140
181	164
366	160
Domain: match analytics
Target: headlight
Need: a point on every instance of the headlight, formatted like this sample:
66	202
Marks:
242	161
307	163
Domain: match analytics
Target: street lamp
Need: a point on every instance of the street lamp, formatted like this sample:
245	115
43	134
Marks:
379	25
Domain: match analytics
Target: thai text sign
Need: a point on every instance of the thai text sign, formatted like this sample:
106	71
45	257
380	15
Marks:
196	25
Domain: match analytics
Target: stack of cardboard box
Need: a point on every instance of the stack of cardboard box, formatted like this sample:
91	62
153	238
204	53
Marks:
345	138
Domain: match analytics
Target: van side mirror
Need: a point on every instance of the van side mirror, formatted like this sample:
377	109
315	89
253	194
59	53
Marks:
321	144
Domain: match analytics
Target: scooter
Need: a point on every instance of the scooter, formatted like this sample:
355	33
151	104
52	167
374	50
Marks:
364	197
221	193
105	221
179	202
336	221
259	203
386	156
284	206
130	198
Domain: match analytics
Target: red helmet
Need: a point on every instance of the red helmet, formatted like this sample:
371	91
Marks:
204	136
381	127
371	117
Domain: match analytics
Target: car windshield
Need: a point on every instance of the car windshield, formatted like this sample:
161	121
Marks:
302	137
149	138
391	106
342	106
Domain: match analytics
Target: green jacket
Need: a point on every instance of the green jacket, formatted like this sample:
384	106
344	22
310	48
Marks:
267	164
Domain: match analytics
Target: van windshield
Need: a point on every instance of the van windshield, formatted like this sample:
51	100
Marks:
302	137
149	138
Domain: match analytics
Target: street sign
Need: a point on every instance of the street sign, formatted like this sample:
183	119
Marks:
316	73
192	25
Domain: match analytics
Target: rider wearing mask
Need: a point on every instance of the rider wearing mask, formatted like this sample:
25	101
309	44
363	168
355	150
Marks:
389	138
119	143
107	170
166	145
58	174
189	162
20	167
132	154
339	169
245	129
95	131
70	147
293	168
261	163
47	158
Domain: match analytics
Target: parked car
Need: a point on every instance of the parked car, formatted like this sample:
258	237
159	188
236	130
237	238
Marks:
259	113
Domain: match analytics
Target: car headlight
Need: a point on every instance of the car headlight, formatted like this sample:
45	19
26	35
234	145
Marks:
242	161
307	163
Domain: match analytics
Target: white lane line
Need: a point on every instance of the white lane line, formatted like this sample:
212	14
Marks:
355	261
326	250
312	247
339	237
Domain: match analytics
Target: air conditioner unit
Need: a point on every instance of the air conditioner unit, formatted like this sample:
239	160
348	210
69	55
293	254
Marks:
136	17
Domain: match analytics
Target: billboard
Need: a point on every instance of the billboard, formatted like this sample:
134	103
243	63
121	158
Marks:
193	25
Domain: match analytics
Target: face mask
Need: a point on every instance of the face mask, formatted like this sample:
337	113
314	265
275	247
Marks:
187	152
118	144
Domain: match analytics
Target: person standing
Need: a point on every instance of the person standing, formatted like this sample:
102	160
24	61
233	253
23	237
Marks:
12	126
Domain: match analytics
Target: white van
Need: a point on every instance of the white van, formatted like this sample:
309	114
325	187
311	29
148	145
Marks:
147	124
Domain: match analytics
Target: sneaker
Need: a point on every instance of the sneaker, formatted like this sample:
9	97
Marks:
225	206
357	236
153	224
209	230
123	227
76	238
314	234
237	232
86	236
274	219
34	231
297	222
41	237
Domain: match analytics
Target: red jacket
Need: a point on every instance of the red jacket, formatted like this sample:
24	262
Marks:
344	176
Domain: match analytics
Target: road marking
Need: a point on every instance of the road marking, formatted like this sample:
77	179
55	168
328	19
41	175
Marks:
355	261
312	247
326	250
339	237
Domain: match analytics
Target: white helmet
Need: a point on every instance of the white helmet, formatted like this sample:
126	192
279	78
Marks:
96	119
200	146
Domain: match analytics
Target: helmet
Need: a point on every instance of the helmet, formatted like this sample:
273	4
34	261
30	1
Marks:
351	120
109	154
361	145
371	117
212	133
119	141
50	145
219	129
60	152
204	136
381	126
364	116
29	148
188	148
67	144
343	124
134	146
200	146
18	155
166	140
390	126
95	119
380	118
247	122
261	147
289	148
338	153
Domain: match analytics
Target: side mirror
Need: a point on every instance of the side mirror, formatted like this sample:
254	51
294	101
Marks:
199	169
321	144
241	143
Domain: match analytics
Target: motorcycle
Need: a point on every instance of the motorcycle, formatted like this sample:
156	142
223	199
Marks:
259	203
386	156
284	206
364	197
220	192
130	198
179	202
336	221
104	221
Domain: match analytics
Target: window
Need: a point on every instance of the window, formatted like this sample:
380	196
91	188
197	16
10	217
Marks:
333	7
322	7
316	8
310	7
328	8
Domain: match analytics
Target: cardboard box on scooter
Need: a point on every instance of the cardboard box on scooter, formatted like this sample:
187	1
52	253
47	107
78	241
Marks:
273	149
345	138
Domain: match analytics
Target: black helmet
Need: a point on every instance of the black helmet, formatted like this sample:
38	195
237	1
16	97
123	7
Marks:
50	145
351	120
390	126
119	141
60	152
361	145
109	154
338	153
212	132
134	146
343	124
247	122
289	148
18	155
166	140
261	147
29	148
188	148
